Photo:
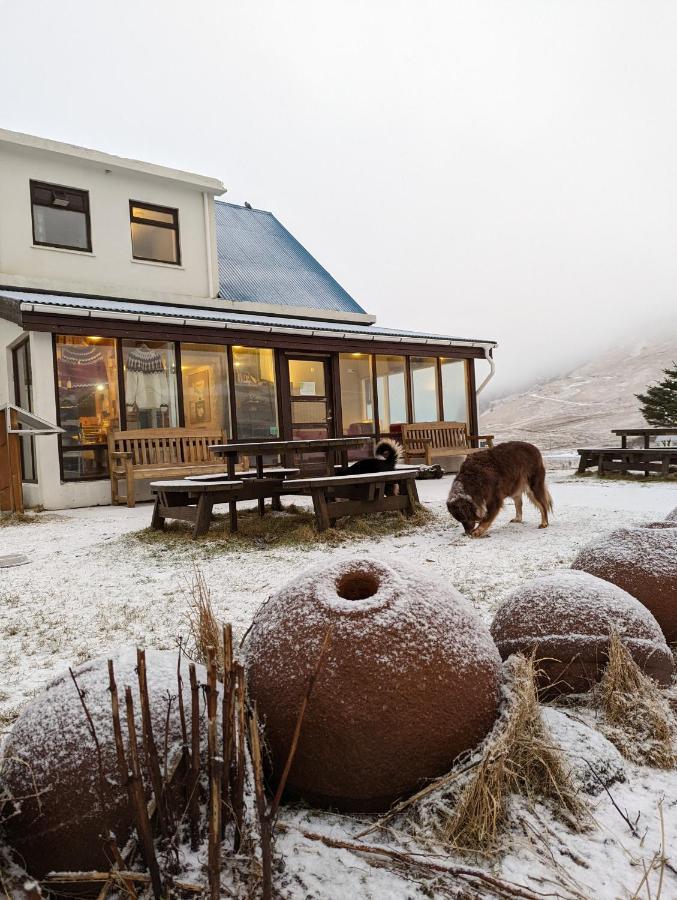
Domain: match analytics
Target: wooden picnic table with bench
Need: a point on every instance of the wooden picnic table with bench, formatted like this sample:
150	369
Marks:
662	460
192	499
645	433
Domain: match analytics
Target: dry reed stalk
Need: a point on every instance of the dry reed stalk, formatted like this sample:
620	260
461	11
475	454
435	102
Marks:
518	757
237	787
142	820
205	628
194	777
215	774
265	822
638	717
148	740
227	723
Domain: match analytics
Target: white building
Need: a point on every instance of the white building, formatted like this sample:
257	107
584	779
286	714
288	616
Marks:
130	298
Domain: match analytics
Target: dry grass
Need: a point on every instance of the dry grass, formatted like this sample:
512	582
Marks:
294	527
637	715
518	757
205	629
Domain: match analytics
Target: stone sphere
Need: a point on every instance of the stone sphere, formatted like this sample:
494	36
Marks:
51	742
566	619
641	559
410	680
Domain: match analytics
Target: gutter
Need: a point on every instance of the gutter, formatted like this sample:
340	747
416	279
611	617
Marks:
492	371
264	328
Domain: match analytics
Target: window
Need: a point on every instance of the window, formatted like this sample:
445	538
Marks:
357	401
87	385
454	390
255	393
391	387
150	384
155	233
23	397
206	398
424	388
60	217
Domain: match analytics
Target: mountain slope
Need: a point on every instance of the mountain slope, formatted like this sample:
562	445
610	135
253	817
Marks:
580	409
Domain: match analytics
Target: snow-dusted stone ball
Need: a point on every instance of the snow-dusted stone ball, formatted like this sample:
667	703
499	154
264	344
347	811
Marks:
672	516
51	742
592	760
641	559
567	618
410	679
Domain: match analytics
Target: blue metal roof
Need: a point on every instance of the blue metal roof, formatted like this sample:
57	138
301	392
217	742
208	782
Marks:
100	307
261	262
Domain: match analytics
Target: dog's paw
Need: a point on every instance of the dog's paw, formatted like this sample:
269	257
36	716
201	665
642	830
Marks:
543	525
517	521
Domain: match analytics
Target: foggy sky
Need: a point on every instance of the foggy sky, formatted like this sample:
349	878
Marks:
502	170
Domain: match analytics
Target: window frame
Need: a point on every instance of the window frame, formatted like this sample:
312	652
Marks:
86	211
173	226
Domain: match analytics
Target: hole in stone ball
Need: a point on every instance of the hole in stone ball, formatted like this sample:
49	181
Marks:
357	585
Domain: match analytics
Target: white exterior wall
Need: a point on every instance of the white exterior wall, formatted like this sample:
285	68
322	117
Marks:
109	269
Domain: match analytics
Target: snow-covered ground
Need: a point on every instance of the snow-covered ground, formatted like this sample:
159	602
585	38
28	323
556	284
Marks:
90	584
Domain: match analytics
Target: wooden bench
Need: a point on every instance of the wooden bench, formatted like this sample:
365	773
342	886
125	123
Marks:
335	496
427	441
662	460
147	453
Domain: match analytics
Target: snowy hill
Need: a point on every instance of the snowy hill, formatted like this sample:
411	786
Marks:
580	409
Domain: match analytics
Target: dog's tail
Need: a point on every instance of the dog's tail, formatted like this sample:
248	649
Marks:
390	451
548	500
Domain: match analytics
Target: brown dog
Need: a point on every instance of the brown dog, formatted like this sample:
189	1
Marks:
488	477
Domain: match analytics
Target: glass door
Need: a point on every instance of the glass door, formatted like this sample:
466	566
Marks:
23	397
312	415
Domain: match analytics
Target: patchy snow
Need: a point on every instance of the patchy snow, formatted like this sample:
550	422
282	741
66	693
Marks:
90	585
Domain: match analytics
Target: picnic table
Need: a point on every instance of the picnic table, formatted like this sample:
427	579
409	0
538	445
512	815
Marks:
258	449
646	433
192	499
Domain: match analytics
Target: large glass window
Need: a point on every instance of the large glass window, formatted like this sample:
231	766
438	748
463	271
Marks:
255	393
454	390
87	385
391	391
357	401
206	399
60	216
23	397
424	388
155	232
150	384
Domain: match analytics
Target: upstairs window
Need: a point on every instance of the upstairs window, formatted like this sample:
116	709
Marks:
155	233
60	217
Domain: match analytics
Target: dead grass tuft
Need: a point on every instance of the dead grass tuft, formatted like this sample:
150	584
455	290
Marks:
294	527
205	629
638	719
518	757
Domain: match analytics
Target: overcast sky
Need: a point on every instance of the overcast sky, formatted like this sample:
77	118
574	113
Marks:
502	170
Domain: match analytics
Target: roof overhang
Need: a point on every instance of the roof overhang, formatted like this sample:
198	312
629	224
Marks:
24	308
109	161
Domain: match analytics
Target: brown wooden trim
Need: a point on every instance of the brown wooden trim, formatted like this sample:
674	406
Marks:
156	331
231	392
374	394
472	400
335	367
32	184
25	343
440	398
122	399
283	396
169	226
409	391
179	384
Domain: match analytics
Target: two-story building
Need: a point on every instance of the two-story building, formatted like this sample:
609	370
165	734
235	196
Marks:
131	298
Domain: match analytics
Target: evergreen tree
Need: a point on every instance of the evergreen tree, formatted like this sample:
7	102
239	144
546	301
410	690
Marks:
659	404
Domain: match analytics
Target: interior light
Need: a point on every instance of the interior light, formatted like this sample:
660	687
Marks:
99	387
